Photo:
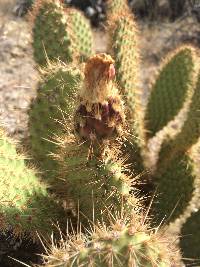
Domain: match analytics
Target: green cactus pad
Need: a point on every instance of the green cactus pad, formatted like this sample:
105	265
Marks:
191	239
82	32
173	85
94	180
54	102
121	244
116	7
189	133
25	205
52	36
175	187
124	48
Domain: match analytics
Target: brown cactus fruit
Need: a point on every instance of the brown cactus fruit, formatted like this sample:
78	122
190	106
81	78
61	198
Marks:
99	113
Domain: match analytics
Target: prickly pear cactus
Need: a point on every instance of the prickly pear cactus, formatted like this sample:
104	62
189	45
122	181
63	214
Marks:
25	204
175	188
52	36
82	32
126	242
190	237
116	7
93	180
173	85
59	33
190	131
53	104
89	158
89	164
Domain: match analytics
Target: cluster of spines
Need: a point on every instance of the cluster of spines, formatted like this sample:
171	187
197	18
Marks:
126	242
93	179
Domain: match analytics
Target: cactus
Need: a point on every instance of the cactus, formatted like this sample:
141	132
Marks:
104	120
25	204
190	236
189	133
175	188
70	33
49	16
174	84
82	33
93	182
124	49
98	116
123	46
126	242
116	7
55	100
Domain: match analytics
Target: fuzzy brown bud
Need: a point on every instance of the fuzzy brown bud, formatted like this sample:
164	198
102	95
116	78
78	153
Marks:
100	111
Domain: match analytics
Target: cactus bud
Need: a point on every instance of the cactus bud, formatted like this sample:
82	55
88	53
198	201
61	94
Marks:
100	109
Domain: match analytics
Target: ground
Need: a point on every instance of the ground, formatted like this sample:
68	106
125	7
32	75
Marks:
19	75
